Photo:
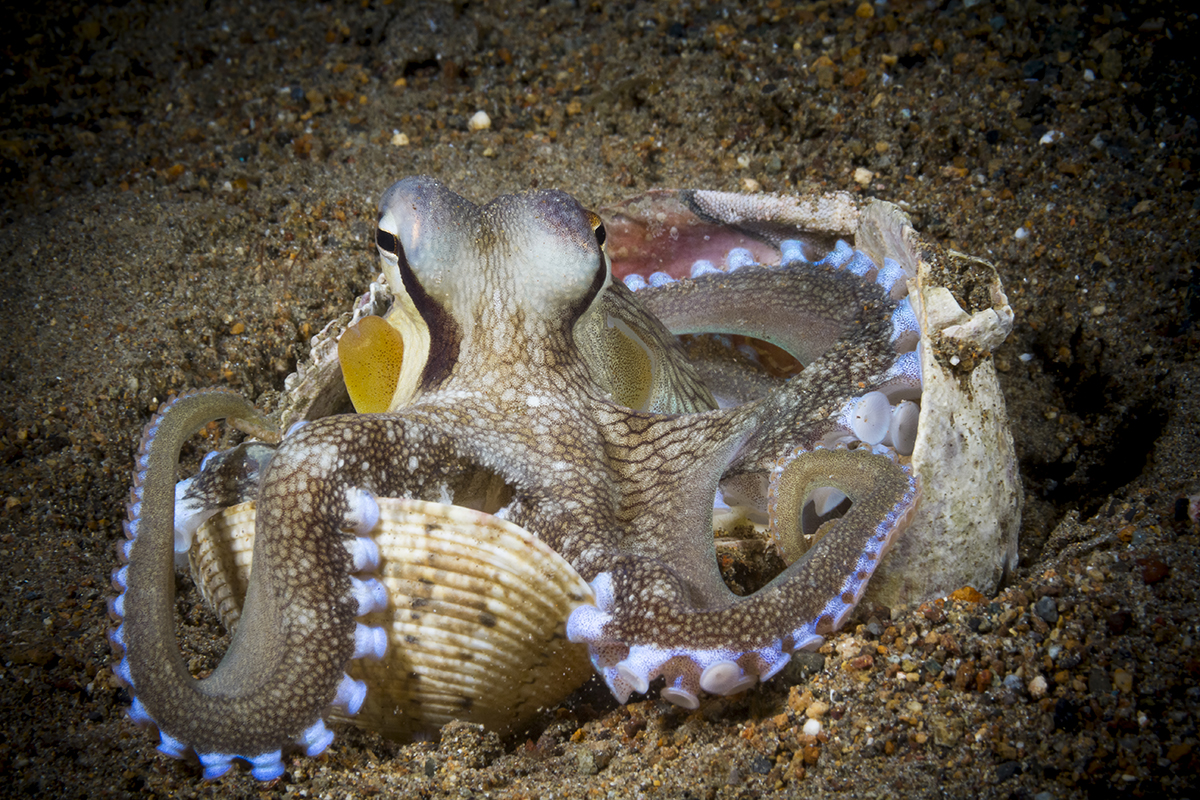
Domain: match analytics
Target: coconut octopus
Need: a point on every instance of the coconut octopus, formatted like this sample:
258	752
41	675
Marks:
509	394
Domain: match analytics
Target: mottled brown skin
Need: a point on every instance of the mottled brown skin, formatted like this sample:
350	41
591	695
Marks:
262	694
505	291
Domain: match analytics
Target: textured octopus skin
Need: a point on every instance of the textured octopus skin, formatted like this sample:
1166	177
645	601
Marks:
506	292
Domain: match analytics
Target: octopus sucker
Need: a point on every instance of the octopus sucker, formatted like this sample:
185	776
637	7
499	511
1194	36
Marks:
505	477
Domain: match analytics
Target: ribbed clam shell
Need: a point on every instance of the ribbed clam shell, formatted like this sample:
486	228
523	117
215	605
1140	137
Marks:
476	618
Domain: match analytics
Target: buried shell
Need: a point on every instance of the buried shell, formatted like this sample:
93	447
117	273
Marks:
476	615
964	531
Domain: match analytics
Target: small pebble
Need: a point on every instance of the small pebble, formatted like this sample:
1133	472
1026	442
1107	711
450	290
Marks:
1153	570
479	121
1047	609
761	765
817	709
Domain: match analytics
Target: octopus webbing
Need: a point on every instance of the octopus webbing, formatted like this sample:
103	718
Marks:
513	378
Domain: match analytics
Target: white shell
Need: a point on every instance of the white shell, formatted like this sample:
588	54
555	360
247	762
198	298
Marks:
476	615
966	526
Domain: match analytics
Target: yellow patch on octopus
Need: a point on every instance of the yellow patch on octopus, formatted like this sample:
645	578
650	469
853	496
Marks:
371	353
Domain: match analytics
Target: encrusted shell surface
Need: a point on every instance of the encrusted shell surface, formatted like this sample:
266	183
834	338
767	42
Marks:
475	620
965	529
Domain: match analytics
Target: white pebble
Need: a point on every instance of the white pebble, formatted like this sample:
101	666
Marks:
479	121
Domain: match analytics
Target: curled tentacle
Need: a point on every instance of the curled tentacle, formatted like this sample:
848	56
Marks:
731	642
805	310
853	339
284	666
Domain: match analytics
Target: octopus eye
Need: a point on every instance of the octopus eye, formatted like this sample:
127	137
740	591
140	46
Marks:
387	241
597	228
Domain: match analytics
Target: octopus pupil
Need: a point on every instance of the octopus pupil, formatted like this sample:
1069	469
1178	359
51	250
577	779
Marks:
385	240
600	235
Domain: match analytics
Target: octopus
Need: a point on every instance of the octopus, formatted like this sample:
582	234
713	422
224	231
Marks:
513	382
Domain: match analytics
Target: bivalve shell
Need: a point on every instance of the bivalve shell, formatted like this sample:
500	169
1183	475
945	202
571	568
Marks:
476	615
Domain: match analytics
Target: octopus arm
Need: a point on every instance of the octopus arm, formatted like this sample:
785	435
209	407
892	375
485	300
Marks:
652	621
284	666
852	337
802	308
